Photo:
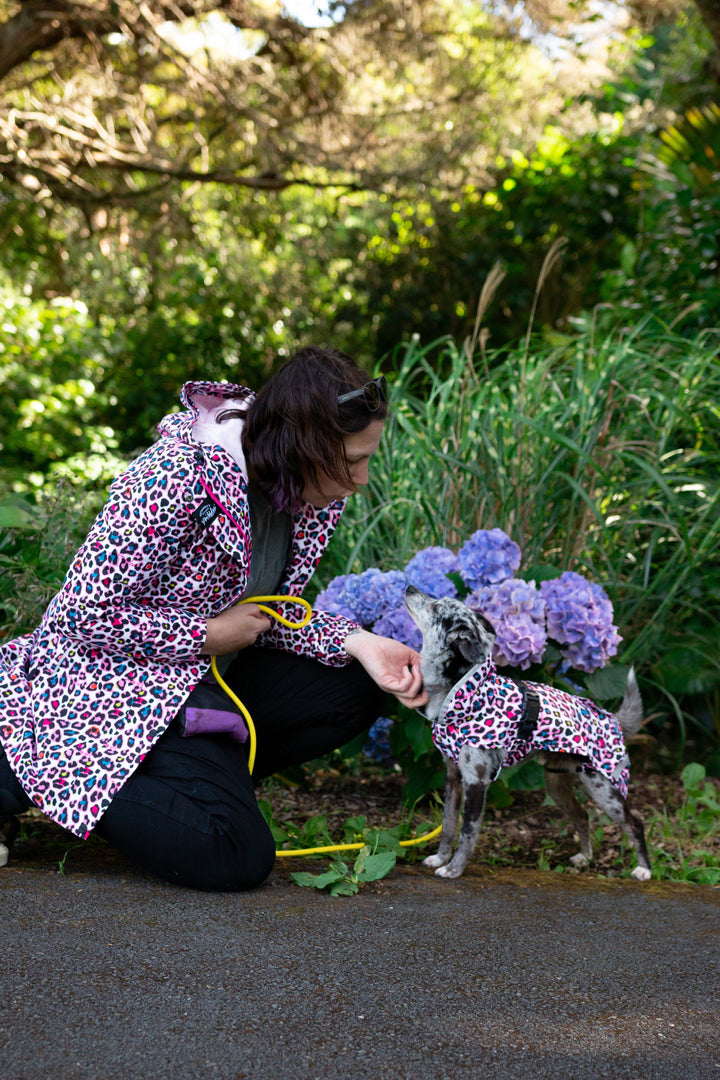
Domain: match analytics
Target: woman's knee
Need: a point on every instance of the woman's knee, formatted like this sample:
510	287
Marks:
220	852
228	864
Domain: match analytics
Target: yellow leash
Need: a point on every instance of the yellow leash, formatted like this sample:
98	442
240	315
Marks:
260	601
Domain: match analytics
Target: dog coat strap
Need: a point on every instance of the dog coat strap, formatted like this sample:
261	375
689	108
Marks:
530	711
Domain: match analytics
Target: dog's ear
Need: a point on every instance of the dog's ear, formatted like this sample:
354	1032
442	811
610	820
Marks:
475	641
471	647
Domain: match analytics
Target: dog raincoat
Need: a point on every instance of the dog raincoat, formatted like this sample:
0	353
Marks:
485	709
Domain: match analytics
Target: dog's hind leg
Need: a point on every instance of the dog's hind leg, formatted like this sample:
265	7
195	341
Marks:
478	769
560	789
609	800
451	816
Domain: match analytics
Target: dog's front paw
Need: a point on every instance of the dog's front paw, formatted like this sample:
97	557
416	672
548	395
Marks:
452	870
641	873
433	861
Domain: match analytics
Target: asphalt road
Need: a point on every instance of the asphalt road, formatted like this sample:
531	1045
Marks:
108	974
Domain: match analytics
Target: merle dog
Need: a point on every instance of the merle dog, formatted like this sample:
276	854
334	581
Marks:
483	721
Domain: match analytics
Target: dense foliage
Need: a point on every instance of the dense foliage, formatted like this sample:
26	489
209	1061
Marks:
527	246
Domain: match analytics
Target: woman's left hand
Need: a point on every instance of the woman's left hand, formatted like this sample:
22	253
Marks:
394	667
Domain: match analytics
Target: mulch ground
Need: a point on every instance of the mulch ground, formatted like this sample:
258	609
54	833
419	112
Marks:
528	834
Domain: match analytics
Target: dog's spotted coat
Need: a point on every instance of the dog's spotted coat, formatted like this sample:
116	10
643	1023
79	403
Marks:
84	697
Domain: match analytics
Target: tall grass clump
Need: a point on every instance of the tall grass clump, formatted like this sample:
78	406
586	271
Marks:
600	456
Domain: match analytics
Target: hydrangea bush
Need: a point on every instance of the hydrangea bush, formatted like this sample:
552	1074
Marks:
516	610
566	617
568	611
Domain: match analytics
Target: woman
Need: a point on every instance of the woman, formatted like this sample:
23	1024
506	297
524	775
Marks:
238	498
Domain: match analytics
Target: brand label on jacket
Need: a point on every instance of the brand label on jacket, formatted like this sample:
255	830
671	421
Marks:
206	512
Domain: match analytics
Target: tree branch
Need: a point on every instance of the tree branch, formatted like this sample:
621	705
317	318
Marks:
38	26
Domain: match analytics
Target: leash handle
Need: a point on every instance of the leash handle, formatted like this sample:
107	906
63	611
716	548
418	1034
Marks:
286	622
276	614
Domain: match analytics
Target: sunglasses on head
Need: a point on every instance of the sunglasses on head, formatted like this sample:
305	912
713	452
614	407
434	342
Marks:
373	393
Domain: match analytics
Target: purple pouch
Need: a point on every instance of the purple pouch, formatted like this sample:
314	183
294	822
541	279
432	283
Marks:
213	721
209	711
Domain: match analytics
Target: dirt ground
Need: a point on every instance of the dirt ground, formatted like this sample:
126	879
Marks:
528	834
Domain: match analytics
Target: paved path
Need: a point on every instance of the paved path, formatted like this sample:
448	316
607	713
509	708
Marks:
106	974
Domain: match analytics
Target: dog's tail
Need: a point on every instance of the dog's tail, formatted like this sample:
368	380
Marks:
630	713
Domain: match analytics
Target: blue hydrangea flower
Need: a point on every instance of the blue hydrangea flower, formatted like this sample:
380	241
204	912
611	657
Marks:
516	610
397	624
428	571
386	592
330	599
580	616
488	557
363	597
377	747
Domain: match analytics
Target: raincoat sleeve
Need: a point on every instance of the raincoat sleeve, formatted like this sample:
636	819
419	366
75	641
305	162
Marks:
322	639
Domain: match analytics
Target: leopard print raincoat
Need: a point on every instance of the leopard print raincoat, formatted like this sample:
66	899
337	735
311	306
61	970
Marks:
84	697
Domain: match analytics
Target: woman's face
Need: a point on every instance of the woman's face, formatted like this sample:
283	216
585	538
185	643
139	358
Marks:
359	448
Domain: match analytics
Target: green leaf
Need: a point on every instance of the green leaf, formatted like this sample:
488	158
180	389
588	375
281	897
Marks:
422	777
17	513
382	839
344	888
608	682
377	866
361	859
353	827
499	795
418	734
692	776
707	876
539	572
527	776
305	879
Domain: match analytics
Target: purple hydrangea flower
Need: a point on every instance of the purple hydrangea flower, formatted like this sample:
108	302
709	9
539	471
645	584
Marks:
516	610
579	615
397	624
386	593
377	747
363	597
428	571
330	599
488	557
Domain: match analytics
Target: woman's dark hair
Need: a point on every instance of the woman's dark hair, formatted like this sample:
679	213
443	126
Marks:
294	428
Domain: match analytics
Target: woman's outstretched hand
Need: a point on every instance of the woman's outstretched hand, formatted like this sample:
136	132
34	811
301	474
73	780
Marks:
394	667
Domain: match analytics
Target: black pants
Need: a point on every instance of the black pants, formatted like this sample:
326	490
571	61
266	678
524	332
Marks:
189	813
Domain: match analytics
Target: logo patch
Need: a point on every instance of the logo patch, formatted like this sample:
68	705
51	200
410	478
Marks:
206	512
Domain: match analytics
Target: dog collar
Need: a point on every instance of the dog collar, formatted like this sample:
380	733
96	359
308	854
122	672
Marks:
469	682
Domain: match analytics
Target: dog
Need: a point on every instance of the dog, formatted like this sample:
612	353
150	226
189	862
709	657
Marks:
510	720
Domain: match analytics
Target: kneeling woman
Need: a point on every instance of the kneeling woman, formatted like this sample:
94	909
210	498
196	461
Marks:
238	498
